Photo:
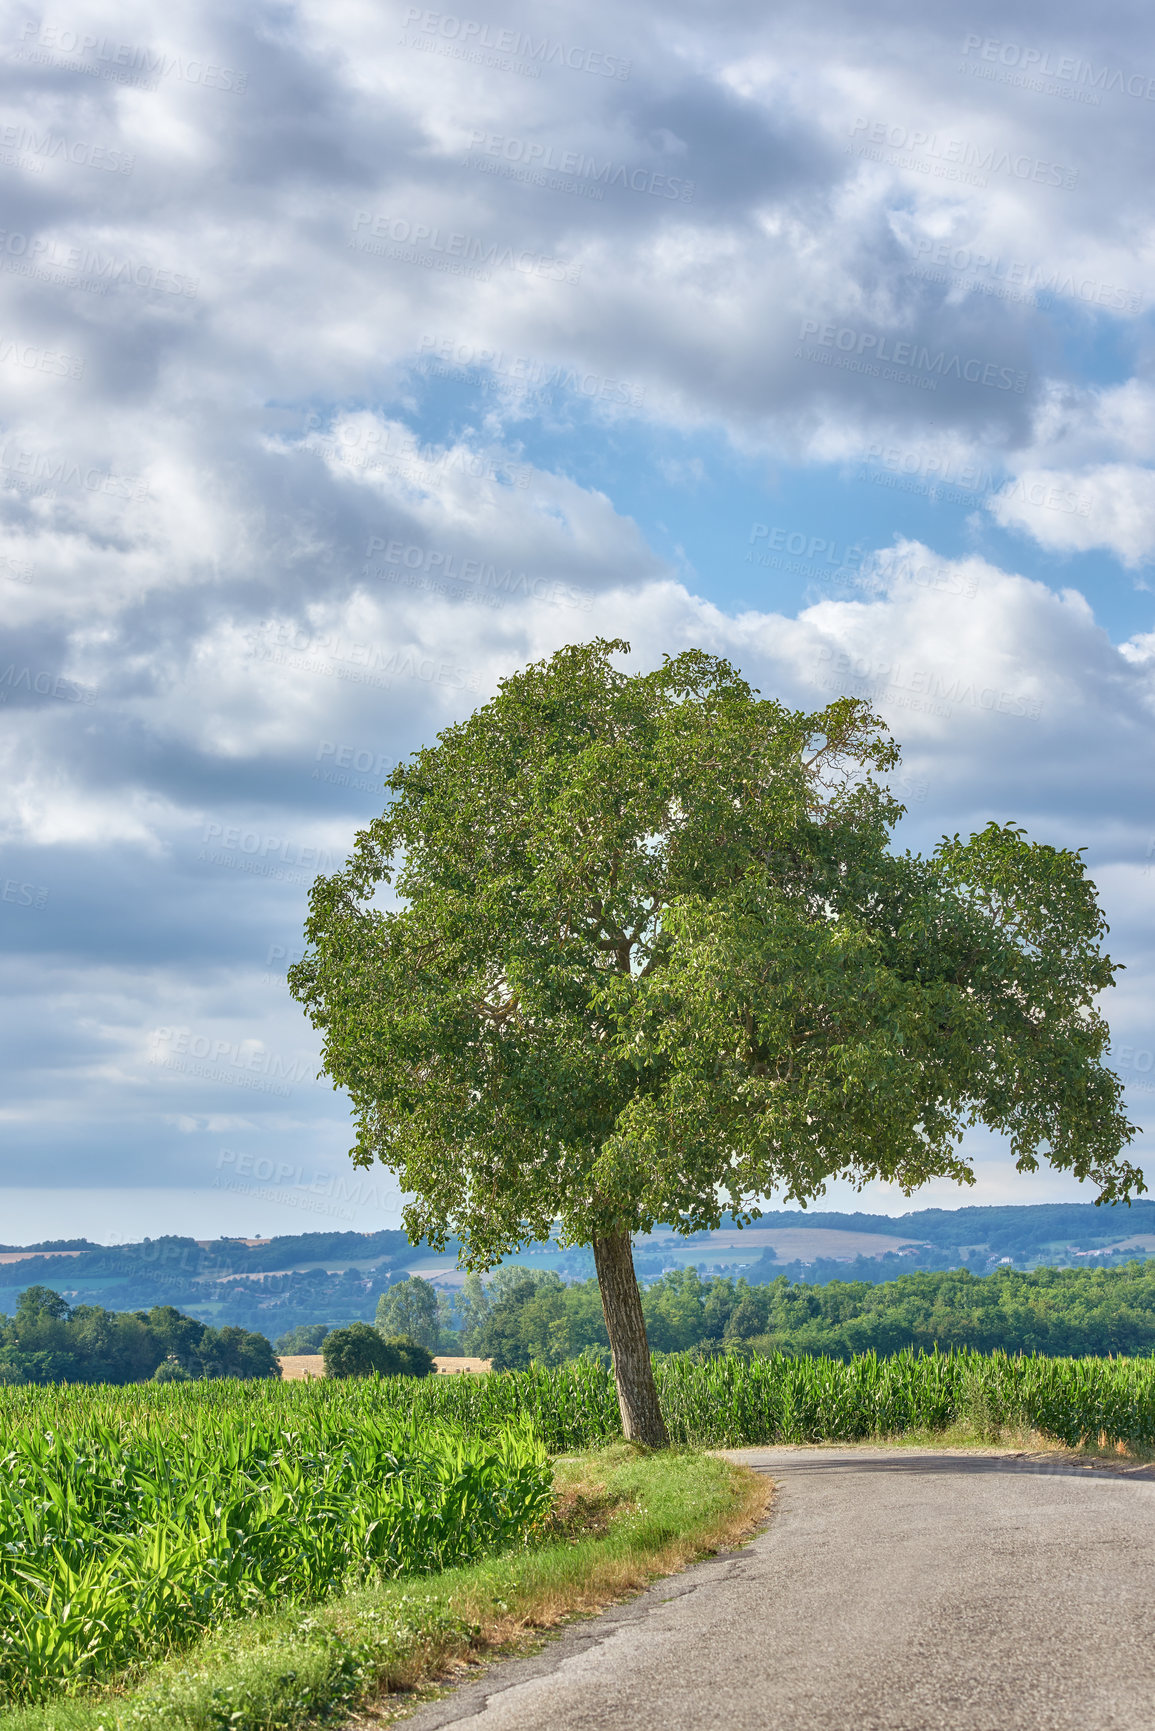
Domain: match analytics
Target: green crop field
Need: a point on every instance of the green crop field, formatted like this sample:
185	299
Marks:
732	1401
132	1518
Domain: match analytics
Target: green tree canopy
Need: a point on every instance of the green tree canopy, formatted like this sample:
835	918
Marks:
307	1337
414	1359
410	1308
38	1304
46	1341
359	1350
629	949
171	1370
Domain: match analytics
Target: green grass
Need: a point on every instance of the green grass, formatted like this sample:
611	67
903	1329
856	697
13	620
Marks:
382	1641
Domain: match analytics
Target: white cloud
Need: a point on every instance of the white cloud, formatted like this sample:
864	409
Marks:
281	506
1111	506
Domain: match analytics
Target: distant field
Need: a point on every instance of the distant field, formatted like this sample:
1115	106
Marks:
442	1271
25	1255
789	1243
296	1367
301	1266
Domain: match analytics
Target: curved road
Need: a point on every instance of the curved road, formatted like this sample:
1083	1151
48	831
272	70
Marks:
893	1590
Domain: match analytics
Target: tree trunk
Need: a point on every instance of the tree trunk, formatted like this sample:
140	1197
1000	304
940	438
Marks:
626	1326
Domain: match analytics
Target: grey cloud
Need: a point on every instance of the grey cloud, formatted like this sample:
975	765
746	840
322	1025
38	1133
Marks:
264	608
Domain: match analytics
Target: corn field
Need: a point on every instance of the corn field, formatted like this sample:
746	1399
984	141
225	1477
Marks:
736	1402
131	1518
128	1523
733	1402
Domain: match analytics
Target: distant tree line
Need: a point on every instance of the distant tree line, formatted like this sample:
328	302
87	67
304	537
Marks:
520	1316
50	1341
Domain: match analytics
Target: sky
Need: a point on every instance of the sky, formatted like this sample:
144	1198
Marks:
353	355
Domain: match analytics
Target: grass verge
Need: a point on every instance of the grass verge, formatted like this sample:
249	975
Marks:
621	1519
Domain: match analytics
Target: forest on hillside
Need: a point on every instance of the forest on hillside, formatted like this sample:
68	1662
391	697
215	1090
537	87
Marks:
1059	1312
333	1278
523	1316
50	1341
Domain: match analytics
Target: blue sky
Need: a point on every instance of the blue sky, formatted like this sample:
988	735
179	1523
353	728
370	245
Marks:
351	356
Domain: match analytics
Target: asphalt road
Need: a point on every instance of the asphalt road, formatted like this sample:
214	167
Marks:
893	1590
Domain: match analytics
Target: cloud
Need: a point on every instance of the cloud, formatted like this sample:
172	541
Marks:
1111	506
351	359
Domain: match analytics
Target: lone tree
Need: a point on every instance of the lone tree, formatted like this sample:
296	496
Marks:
359	1350
652	958
410	1308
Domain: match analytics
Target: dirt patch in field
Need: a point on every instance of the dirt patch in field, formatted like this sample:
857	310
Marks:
297	1366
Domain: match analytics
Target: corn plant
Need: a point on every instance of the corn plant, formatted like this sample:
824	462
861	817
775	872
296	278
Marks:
129	1524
